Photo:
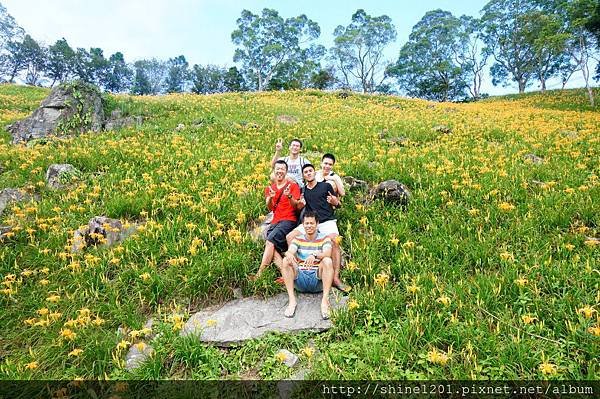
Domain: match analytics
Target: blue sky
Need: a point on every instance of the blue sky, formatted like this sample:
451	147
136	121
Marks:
201	29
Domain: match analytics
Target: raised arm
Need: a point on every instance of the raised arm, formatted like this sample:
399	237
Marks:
276	156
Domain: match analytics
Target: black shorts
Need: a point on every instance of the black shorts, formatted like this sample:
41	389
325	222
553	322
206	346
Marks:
277	232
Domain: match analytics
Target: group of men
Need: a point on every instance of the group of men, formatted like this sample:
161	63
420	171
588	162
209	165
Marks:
308	254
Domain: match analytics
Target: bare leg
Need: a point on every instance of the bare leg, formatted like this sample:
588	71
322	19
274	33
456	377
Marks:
291	235
278	260
326	272
267	257
336	257
289	274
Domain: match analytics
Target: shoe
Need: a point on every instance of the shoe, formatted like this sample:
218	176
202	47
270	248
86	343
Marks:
279	280
290	313
343	287
325	312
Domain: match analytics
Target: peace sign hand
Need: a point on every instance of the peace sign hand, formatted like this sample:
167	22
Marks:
271	193
279	145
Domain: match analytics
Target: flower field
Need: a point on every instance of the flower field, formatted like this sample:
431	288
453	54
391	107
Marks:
492	271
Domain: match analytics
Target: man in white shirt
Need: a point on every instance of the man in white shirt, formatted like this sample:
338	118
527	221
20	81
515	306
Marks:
294	161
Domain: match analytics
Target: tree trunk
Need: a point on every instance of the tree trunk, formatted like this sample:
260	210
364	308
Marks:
586	77
521	86
543	84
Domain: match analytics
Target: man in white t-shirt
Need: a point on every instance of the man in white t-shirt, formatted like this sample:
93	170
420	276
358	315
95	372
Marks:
294	161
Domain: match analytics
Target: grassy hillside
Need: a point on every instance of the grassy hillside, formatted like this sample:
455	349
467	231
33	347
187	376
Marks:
491	272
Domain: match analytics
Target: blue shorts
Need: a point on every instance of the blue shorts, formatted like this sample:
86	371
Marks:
308	280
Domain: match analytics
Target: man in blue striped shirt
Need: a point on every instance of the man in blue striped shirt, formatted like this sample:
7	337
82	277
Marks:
307	265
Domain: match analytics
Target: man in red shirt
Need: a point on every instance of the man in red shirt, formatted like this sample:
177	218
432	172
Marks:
282	198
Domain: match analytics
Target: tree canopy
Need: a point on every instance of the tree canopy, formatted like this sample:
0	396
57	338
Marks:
358	50
266	42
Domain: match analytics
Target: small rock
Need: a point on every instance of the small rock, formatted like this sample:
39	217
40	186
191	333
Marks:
180	127
237	293
569	134
138	353
399	140
258	228
101	230
392	191
13	195
534	159
287	119
355	184
3	231
442	129
289	359
58	175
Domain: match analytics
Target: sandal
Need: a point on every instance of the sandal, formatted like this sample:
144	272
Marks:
279	280
325	312
343	287
289	313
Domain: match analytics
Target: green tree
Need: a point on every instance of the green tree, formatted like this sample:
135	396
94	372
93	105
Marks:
508	40
358	50
322	79
581	42
10	35
208	79
296	73
15	60
545	32
141	83
61	58
265	42
118	76
98	66
150	76
82	65
177	74
427	66
470	56
234	80
35	56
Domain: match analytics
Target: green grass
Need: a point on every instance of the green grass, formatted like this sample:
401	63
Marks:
480	246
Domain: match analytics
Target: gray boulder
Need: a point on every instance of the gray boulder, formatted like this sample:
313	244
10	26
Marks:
442	129
59	175
534	159
392	191
118	121
287	119
3	231
70	107
138	353
101	231
13	195
401	141
250	318
355	184
289	359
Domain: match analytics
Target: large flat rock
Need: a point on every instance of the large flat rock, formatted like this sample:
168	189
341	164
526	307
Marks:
249	318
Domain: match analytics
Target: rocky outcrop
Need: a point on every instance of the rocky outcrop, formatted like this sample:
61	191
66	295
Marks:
534	159
12	195
58	176
392	191
250	318
118	121
74	106
101	231
355	184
